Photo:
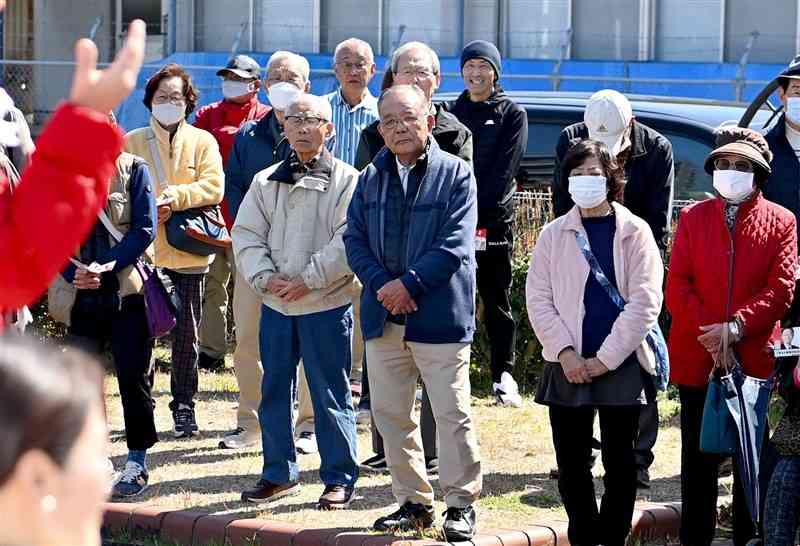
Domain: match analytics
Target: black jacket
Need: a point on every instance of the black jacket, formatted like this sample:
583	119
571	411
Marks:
649	172
450	134
783	186
500	134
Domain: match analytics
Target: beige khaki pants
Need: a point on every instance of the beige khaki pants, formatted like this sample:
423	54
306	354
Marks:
394	367
305	409
213	334
358	340
246	358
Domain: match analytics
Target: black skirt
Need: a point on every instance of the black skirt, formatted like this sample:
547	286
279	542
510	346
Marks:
628	385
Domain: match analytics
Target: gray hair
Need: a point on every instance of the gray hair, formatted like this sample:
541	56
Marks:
398	89
411	46
353	44
320	104
300	62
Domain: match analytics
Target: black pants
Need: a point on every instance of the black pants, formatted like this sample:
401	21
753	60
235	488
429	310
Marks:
126	331
427	423
699	481
646	436
494	286
572	439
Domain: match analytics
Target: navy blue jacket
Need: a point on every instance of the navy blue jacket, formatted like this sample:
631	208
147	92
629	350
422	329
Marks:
441	247
783	186
258	145
141	232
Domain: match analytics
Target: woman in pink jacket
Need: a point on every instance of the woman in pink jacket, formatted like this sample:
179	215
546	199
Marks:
597	358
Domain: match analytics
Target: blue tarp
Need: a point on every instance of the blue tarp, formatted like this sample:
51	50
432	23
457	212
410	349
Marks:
133	114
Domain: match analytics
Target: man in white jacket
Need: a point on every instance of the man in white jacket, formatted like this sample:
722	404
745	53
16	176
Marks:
288	246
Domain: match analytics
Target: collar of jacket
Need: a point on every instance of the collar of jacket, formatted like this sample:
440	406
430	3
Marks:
268	127
385	160
744	208
321	169
162	135
498	95
637	140
573	220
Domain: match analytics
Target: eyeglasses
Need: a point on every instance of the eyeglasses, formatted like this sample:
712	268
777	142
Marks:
742	165
349	67
308	121
394	123
420	73
177	100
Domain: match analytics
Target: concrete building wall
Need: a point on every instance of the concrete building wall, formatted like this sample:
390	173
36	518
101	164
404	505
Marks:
481	21
433	22
689	30
350	18
607	30
776	23
287	24
537	28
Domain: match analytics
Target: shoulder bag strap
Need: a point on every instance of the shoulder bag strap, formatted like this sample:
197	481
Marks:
159	167
597	271
112	230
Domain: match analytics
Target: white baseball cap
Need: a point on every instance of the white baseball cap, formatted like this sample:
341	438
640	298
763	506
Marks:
607	116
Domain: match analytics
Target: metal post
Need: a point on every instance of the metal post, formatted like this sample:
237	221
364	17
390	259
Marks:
462	10
556	75
172	33
741	79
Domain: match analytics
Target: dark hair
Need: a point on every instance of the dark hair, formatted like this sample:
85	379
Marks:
580	151
45	397
387	81
172	70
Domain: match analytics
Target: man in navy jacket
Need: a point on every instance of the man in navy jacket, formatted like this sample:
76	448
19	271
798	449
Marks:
410	240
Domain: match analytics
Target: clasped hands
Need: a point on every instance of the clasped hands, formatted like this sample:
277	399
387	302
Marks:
396	299
580	370
287	288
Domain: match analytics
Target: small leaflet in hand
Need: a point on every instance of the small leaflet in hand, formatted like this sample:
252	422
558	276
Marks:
94	267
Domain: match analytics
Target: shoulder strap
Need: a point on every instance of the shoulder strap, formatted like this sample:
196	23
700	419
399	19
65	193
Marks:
597	271
159	167
112	230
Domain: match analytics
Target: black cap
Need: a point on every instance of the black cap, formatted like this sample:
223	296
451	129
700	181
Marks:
791	71
243	66
480	49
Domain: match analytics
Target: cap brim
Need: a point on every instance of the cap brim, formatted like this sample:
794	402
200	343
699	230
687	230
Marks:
740	149
236	71
613	142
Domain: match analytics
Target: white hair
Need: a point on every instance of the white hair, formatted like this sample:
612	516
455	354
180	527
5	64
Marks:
300	62
353	44
411	46
320	104
403	89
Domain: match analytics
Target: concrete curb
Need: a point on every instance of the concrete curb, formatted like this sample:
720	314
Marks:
192	528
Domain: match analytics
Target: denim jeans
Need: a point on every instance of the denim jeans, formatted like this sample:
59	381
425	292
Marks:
782	513
322	340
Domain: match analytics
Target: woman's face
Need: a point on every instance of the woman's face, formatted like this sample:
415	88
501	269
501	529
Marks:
591	166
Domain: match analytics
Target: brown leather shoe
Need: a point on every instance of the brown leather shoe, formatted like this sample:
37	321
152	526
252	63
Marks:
265	491
336	497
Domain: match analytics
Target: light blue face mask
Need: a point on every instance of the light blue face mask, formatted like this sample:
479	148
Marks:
793	109
232	89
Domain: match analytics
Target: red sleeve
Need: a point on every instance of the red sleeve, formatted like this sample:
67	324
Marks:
57	201
682	301
760	313
202	119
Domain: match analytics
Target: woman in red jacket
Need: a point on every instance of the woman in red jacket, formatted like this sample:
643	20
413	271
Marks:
66	183
732	267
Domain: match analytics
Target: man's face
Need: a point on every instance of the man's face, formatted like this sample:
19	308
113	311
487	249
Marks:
306	128
253	84
405	123
354	68
792	90
478	76
415	68
286	71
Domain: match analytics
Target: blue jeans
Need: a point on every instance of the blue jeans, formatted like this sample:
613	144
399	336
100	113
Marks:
322	340
782	512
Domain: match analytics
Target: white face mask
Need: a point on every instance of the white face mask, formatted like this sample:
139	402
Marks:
232	89
588	191
793	109
169	114
282	94
733	186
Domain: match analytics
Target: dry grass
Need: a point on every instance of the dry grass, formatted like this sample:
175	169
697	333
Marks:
515	445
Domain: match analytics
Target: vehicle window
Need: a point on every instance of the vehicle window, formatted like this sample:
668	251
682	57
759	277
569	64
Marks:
691	180
542	138
536	168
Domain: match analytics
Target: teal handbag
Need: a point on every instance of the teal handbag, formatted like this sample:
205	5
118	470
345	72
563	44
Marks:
718	433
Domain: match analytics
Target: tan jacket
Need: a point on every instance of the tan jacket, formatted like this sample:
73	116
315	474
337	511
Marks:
296	229
557	277
193	168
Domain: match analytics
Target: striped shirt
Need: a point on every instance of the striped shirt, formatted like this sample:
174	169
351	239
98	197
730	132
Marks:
349	123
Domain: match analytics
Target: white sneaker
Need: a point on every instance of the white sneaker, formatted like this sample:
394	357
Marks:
306	443
507	391
240	439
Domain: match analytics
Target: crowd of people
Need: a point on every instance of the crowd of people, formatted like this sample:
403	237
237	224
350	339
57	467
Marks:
359	232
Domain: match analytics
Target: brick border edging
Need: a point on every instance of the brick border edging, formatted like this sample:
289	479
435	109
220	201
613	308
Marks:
193	528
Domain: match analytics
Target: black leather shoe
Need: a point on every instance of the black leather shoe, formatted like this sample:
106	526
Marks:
459	524
411	516
265	491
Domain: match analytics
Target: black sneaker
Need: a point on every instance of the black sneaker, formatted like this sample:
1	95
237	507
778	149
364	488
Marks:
209	363
432	465
185	423
376	463
410	517
459	524
131	482
642	478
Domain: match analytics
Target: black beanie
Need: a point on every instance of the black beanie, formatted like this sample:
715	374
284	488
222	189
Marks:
480	49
